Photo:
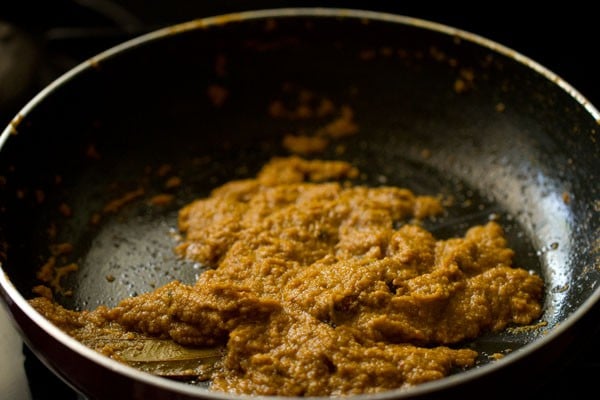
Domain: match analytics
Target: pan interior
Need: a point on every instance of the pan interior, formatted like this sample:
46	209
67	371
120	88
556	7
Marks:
436	114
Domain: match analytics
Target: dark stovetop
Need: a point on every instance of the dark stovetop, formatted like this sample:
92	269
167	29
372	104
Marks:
41	40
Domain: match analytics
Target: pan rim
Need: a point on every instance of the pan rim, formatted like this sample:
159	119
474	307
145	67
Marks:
14	296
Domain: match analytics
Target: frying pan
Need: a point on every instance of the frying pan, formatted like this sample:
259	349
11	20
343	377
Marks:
439	111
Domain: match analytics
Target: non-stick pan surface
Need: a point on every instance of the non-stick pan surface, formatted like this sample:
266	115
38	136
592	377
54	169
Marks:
439	112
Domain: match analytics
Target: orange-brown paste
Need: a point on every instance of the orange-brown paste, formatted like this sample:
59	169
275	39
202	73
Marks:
320	288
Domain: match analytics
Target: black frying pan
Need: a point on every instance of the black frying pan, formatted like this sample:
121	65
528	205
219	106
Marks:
439	111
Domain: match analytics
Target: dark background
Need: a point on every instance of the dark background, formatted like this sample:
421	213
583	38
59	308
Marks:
562	37
39	40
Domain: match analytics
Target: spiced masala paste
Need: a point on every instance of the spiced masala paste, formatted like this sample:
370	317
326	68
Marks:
320	287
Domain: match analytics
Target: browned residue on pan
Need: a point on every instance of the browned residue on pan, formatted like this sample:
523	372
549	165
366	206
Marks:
203	23
336	121
115	205
51	275
15	122
161	199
